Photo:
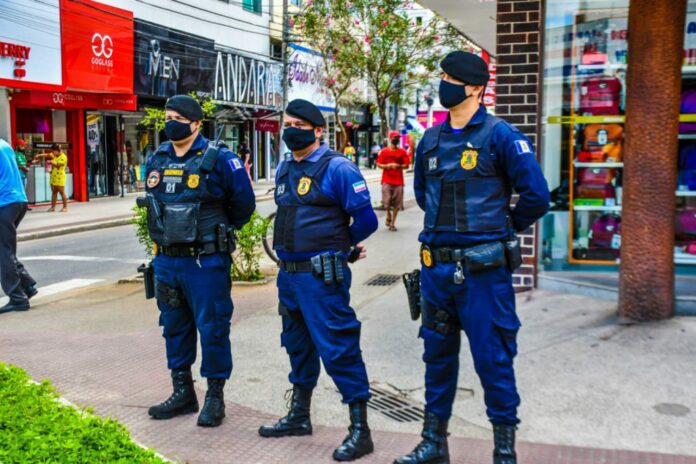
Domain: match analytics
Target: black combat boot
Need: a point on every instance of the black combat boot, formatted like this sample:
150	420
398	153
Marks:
182	401
214	407
358	443
504	438
433	448
297	422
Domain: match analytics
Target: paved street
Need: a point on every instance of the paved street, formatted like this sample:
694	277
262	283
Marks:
593	391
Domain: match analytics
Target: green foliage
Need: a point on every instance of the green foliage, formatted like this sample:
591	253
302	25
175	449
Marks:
154	117
35	427
247	257
141	231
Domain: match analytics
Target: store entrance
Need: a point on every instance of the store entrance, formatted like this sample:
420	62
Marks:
102	154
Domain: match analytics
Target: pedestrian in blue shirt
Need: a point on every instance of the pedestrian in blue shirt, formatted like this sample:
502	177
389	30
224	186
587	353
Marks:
16	282
318	192
197	194
465	172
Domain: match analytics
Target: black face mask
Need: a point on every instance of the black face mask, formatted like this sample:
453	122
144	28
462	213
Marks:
176	130
452	94
298	139
395	141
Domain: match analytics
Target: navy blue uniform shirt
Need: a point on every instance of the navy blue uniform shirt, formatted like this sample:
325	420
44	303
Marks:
343	183
228	180
521	170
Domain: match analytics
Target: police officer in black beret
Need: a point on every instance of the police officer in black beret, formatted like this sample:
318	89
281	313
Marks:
197	194
465	171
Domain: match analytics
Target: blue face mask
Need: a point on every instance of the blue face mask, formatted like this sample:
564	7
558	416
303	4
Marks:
176	130
452	94
298	139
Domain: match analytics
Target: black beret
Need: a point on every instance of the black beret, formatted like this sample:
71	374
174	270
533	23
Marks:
186	106
306	111
466	67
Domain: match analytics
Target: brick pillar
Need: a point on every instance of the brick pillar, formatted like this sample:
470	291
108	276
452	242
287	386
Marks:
653	84
519	39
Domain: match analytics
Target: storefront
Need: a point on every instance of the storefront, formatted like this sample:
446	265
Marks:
585	57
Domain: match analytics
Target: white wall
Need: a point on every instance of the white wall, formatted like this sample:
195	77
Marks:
227	23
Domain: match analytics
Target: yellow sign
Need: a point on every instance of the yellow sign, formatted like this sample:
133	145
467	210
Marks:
469	159
304	186
427	257
193	181
174	172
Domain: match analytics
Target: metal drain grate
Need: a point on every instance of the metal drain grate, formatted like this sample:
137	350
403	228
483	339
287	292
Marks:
383	280
394	406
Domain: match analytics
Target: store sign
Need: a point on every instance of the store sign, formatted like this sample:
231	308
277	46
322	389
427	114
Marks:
168	62
267	125
248	81
30	57
97	47
306	78
75	100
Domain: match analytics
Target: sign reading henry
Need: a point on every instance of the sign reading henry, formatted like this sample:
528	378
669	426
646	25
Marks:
30	57
98	47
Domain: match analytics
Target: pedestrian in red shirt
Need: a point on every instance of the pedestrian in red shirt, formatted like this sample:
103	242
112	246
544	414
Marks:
393	160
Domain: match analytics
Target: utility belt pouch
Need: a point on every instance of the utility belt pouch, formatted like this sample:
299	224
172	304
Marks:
317	268
231	239
327	263
148	272
483	257
169	295
221	239
338	267
513	253
154	213
181	223
412	284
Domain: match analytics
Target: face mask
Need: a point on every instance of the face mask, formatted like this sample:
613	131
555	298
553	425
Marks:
395	141
452	94
176	130
298	139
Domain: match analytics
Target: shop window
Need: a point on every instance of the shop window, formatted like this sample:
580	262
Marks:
586	59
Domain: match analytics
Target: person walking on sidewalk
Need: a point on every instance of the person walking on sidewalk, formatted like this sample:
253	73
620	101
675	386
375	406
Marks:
374	152
393	160
58	177
317	192
465	170
16	282
21	158
349	152
197	193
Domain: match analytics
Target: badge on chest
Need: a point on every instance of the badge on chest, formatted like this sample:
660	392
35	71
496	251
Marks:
469	158
304	186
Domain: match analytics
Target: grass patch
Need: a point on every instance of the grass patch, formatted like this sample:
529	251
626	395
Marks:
35	427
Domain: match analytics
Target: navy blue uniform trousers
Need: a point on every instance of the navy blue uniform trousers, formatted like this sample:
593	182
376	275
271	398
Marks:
322	326
485	307
207	308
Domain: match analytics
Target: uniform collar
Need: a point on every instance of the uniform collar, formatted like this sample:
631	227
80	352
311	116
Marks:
477	119
316	154
199	144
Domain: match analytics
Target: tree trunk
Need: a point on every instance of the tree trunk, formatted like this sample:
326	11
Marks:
384	122
341	129
653	87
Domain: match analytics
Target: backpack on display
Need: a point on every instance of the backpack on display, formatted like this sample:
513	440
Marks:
687	167
596	183
606	232
606	139
596	176
688	106
600	96
686	224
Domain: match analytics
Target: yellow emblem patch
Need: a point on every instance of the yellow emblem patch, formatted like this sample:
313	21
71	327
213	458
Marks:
469	159
427	257
304	186
193	181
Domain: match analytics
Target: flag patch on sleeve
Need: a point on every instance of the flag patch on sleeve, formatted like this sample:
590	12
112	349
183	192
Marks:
522	147
235	164
359	186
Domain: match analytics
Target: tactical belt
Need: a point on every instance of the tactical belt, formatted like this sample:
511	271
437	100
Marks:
178	251
447	255
296	266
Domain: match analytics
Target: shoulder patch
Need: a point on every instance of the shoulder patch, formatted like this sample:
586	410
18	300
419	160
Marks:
359	186
234	163
522	147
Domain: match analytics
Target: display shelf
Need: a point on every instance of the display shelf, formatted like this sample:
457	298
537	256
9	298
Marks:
581	164
685	260
597	208
689	72
686	193
687	136
603	67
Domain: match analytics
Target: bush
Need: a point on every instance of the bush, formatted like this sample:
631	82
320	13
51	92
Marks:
141	231
35	427
247	257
